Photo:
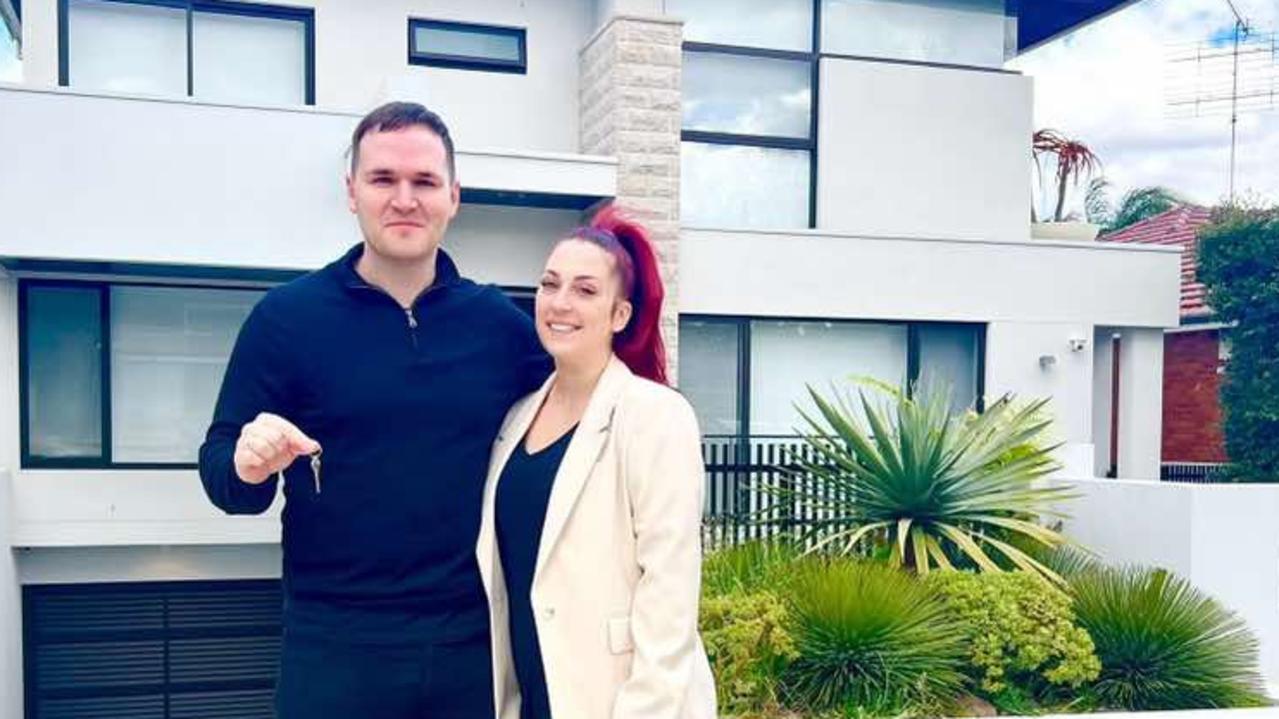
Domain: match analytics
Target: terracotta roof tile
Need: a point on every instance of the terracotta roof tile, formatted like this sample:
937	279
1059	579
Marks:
1178	226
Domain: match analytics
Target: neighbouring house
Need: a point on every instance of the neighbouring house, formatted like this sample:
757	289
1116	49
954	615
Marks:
1194	352
836	187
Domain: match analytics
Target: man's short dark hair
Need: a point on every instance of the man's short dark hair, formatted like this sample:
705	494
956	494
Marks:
396	116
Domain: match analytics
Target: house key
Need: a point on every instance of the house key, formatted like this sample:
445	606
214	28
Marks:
315	469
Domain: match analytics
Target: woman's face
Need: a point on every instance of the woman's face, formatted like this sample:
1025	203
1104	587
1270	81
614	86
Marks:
578	306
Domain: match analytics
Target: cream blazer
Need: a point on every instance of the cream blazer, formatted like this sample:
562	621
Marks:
617	578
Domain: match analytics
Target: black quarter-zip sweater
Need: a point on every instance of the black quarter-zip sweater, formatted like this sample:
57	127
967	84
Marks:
405	404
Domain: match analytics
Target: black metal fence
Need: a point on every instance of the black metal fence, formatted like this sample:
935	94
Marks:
749	489
1195	472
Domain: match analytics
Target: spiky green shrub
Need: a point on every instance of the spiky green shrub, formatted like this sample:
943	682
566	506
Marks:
749	645
938	486
1163	644
1019	630
869	636
748	567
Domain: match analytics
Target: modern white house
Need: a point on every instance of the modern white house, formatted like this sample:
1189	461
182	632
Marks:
838	187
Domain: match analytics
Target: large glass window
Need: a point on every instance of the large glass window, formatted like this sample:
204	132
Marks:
164	350
741	186
10	47
708	352
775	24
787	357
747	95
223	52
948	360
748	128
63	387
169	349
757	394
963	32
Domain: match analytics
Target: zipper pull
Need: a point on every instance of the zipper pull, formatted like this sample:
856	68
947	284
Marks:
408	312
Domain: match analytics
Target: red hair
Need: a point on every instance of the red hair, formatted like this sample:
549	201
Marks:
639	344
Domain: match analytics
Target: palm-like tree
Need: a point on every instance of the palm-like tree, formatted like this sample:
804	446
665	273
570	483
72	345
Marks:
1142	203
1074	160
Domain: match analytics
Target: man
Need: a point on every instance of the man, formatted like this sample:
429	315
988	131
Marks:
376	386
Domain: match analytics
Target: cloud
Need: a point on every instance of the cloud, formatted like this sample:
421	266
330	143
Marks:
1108	85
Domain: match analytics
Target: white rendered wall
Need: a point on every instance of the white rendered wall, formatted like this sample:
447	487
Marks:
11	689
827	274
1013	352
923	152
65	565
1141	376
186	183
361	58
1223	538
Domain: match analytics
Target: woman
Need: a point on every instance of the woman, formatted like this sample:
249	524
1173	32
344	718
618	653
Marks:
589	542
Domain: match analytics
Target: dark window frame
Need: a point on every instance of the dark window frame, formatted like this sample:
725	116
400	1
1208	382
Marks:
306	16
468	62
744	323
809	144
814	55
103	287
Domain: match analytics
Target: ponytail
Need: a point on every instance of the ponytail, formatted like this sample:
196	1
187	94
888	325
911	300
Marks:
639	344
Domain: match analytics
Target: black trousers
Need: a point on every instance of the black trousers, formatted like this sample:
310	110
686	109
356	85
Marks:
325	679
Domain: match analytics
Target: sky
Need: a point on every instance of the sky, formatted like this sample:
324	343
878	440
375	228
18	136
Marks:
1106	85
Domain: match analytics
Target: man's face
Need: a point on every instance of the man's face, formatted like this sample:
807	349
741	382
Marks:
402	193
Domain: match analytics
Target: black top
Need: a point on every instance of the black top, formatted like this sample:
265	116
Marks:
523	492
405	405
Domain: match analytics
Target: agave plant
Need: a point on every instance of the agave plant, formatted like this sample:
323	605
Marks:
1163	644
934	486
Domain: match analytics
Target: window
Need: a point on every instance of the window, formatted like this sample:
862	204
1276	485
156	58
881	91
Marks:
748	125
961	32
467	47
772	24
11	44
216	51
745	376
708	370
123	375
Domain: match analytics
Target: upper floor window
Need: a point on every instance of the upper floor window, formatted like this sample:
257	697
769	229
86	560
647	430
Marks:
958	32
10	43
122	375
468	47
772	24
748	132
216	51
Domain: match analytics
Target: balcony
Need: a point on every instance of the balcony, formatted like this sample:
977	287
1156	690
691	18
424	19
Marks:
98	178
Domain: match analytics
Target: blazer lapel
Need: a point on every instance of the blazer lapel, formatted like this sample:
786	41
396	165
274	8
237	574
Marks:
508	438
583	452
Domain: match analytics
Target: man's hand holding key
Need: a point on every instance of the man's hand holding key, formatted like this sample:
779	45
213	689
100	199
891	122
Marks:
270	443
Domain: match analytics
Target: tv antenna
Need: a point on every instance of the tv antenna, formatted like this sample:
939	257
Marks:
1227	73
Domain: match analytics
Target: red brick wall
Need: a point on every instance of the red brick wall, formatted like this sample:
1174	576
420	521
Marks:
1192	410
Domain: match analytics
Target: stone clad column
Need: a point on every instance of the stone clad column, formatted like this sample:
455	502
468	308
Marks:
630	109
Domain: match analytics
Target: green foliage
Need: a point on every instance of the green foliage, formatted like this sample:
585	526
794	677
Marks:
749	567
1142	203
870	639
1239	263
937	487
1163	644
1020	632
748	643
